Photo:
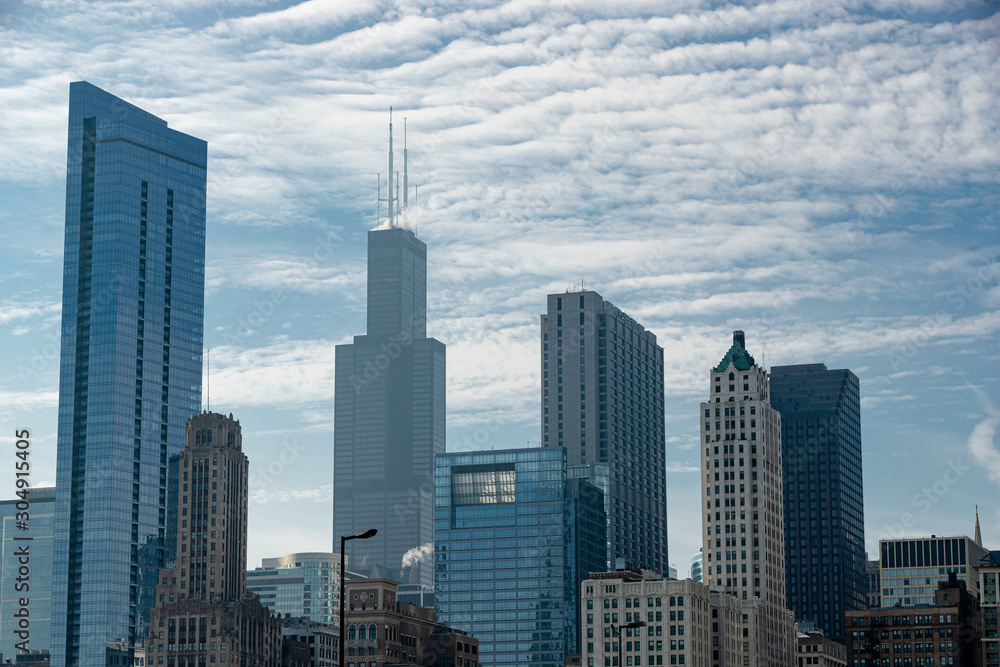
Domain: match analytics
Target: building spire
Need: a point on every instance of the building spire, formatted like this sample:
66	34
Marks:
389	190
405	180
979	533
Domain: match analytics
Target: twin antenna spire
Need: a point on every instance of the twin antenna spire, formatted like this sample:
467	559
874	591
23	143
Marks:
395	207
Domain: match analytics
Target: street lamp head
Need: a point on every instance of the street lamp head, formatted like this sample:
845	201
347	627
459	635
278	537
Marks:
360	536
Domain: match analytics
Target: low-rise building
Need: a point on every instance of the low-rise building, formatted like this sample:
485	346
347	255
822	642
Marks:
948	632
321	638
990	578
300	584
294	653
816	649
910	568
639	617
381	630
728	631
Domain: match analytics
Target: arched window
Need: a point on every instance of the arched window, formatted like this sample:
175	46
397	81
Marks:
352	632
361	631
371	632
680	601
732	377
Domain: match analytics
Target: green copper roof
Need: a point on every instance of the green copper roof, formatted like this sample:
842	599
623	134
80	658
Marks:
737	355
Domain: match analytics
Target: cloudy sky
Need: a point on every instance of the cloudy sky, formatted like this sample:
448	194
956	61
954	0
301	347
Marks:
819	173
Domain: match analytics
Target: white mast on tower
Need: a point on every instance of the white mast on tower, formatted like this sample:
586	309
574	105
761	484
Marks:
389	190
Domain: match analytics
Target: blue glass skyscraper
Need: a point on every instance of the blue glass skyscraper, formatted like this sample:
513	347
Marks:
514	538
825	557
130	368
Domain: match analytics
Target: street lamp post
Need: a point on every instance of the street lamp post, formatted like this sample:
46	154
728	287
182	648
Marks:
343	540
618	633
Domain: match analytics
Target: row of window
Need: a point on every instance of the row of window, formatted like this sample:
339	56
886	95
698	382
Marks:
361	632
612	603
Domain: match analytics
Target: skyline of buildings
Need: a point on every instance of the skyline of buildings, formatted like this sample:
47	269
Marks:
822	493
403	300
130	363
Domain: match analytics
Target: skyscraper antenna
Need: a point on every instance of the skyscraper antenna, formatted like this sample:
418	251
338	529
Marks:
405	179
389	190
208	378
378	200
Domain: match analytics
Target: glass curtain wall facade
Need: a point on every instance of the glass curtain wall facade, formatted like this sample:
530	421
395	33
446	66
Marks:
910	569
513	540
39	546
130	367
824	505
304	585
989	578
389	423
602	400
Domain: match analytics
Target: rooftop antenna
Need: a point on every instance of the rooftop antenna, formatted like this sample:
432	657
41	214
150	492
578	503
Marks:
406	183
378	200
208	378
390	174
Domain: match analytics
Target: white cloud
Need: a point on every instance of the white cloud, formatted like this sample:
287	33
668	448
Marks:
982	440
807	171
323	494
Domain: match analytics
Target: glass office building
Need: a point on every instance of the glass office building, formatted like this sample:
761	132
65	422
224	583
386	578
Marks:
304	585
911	568
514	538
825	556
13	542
130	367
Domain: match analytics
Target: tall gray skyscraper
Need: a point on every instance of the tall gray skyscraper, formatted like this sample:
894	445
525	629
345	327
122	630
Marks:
824	505
130	367
602	400
389	403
